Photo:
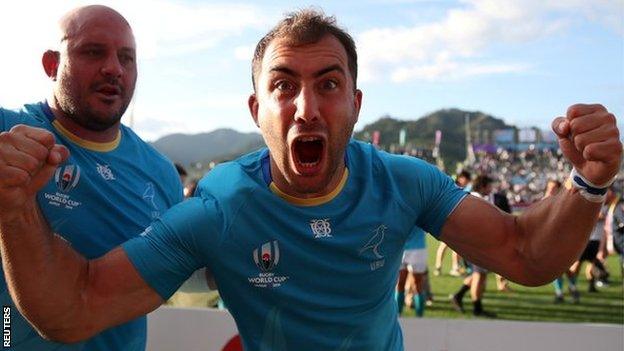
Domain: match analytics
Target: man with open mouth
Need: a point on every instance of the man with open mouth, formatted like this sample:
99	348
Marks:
305	238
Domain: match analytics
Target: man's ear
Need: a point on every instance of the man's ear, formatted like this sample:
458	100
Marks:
357	101
252	102
50	61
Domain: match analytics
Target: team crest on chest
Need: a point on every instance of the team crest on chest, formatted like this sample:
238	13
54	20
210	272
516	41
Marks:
105	172
267	257
321	228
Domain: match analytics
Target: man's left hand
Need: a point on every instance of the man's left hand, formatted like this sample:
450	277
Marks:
590	140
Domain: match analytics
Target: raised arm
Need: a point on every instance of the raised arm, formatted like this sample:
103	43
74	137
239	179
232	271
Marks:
64	296
537	246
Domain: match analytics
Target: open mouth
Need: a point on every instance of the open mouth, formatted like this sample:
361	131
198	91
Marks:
308	153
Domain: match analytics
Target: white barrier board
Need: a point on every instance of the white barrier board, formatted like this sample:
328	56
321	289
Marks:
200	329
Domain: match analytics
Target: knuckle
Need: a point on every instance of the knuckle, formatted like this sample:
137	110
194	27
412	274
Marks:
31	165
572	109
40	153
18	128
579	142
611	118
616	134
589	152
599	107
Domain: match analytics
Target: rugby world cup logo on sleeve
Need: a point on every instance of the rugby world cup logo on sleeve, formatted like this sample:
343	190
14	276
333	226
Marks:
67	177
266	257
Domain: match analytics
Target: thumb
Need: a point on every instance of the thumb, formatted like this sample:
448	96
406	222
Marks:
561	127
57	155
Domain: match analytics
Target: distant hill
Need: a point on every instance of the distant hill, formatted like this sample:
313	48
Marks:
226	144
421	132
218	145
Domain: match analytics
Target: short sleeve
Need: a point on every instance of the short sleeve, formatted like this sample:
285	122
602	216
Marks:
431	194
177	244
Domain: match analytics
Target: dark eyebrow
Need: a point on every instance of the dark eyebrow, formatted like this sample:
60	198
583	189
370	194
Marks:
329	69
284	69
290	72
128	50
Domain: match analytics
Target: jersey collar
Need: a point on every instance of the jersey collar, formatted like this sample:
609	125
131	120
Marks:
315	201
87	144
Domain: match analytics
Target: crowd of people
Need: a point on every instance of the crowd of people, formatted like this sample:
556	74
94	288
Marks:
514	180
521	174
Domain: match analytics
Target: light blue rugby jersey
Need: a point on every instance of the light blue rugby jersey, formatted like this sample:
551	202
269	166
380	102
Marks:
103	195
315	275
416	240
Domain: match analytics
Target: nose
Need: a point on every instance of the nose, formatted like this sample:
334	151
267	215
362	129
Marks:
112	67
307	106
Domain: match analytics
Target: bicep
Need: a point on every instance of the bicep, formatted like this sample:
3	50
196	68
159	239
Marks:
483	234
116	293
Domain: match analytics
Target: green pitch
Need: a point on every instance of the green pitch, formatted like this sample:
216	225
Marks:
529	304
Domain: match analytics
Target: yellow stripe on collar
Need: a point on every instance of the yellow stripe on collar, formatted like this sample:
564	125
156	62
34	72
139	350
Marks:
314	201
91	145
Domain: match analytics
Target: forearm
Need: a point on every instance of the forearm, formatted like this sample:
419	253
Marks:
45	276
553	233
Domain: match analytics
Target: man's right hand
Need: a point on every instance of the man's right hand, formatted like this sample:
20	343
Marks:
28	158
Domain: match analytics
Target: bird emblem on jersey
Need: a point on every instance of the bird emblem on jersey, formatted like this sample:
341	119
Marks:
149	193
375	241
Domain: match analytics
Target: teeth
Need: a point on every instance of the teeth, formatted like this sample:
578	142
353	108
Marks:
308	138
308	164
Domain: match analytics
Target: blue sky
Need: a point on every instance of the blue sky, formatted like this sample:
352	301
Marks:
524	61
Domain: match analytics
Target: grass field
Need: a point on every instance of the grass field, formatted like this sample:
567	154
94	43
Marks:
523	304
530	304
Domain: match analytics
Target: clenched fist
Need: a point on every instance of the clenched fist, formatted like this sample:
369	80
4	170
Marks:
590	140
28	158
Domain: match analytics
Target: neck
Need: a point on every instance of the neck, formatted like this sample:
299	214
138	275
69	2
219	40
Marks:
103	136
293	190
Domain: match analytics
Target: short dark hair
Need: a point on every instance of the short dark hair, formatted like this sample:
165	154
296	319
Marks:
481	182
306	26
466	174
